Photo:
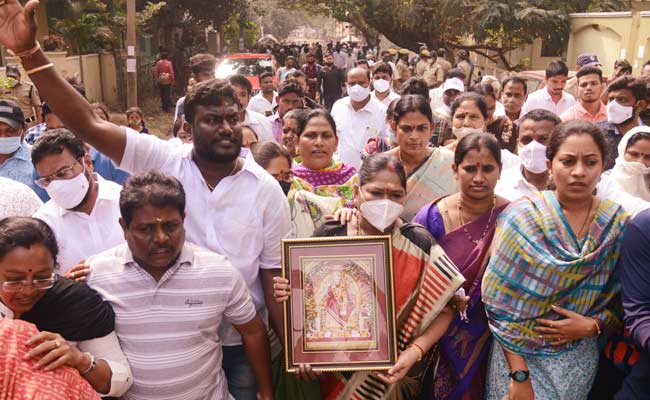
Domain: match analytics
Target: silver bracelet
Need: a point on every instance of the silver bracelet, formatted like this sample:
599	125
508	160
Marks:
92	365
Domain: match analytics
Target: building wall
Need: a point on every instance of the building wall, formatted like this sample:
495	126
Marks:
100	83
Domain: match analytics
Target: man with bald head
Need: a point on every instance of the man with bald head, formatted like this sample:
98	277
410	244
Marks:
358	116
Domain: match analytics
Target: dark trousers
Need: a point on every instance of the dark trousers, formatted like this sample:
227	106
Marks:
166	97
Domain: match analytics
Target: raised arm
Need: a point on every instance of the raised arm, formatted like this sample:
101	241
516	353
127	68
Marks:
18	33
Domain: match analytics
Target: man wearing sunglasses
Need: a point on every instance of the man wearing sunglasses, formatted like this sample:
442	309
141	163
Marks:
83	209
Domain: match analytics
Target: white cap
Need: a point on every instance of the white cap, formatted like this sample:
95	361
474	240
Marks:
453	83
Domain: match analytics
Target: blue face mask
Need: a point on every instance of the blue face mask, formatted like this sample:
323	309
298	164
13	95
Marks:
9	145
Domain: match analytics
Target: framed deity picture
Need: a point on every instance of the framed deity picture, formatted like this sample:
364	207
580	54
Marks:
341	313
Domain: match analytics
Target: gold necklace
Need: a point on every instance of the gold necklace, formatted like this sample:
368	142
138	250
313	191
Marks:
231	172
459	204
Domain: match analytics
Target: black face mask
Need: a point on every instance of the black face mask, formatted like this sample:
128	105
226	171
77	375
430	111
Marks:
286	186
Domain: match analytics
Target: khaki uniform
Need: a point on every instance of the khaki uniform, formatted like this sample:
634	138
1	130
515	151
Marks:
420	67
403	70
444	65
26	95
433	75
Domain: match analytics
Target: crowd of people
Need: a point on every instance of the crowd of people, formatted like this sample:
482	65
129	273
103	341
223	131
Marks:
140	268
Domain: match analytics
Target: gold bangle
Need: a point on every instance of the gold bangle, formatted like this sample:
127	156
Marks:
39	69
598	332
29	52
419	350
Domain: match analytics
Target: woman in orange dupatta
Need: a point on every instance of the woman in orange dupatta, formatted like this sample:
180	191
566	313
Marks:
419	264
20	380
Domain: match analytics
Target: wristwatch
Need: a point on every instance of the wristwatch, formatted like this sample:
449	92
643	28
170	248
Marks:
519	376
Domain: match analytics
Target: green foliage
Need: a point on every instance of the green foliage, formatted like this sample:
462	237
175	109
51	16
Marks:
497	27
231	32
85	27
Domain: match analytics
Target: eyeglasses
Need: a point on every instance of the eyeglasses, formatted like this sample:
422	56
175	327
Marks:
283	177
17	286
63	174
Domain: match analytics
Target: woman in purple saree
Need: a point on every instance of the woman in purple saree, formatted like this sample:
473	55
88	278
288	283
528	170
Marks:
463	224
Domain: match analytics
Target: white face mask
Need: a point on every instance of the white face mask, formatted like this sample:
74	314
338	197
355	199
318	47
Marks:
9	145
617	113
381	85
358	93
69	193
533	157
460	133
633	168
380	213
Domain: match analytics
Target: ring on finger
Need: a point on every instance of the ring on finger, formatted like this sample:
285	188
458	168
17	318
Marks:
57	344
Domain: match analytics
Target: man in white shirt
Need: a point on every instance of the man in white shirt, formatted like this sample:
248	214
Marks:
83	209
532	176
450	90
358	117
436	94
171	299
552	97
234	207
258	122
203	69
265	101
382	79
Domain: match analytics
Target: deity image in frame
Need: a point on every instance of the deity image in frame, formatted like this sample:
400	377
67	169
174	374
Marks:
338	304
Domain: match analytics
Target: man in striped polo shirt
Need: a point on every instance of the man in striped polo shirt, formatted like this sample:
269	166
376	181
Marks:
170	298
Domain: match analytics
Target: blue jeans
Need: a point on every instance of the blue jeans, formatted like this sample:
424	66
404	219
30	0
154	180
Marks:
239	373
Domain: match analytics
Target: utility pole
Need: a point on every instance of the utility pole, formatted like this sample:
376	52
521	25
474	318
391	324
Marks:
131	59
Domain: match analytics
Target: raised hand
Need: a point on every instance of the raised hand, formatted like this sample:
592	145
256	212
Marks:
18	25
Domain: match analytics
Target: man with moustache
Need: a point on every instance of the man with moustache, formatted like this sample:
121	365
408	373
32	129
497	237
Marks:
513	97
220	184
172	297
83	208
331	81
552	97
590	88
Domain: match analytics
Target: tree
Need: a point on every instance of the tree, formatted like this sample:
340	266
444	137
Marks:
497	27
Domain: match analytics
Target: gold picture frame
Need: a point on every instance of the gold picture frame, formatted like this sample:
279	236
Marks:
341	312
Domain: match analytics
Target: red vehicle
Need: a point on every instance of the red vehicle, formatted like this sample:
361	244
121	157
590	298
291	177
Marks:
251	65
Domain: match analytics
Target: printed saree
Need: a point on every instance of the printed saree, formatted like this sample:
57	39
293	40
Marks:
425	280
337	180
434	178
464	347
19	380
538	261
309	211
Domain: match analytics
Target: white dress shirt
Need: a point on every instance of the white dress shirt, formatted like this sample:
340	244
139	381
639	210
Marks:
436	97
244	218
389	99
260	104
80	235
542	99
354	128
512	186
260	125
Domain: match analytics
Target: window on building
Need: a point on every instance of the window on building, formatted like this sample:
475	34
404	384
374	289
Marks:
551	48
